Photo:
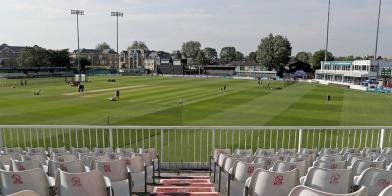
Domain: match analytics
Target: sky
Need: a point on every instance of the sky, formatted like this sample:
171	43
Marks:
166	24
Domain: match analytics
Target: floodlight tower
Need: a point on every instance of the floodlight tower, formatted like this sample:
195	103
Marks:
77	13
326	44
117	14
376	48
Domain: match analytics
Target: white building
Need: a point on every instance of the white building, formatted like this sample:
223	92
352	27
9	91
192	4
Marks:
350	73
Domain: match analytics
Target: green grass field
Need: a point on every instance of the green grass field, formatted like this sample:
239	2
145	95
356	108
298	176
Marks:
154	101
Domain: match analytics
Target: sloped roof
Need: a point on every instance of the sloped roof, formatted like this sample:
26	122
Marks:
16	49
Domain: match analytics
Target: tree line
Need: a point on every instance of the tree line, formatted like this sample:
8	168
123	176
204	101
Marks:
40	57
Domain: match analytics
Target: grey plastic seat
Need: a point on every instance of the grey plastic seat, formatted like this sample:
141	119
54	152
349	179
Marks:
268	161
63	157
387	158
283	166
102	151
239	174
307	191
366	151
330	158
333	181
137	170
70	166
25	165
264	152
32	179
117	172
329	151
59	150
90	183
361	165
375	180
330	165
79	150
387	151
228	163
349	150
284	151
270	183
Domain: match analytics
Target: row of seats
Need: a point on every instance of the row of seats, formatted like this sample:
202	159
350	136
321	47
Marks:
332	171
79	171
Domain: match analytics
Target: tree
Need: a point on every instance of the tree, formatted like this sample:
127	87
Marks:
228	55
102	46
345	58
201	58
239	56
176	54
140	45
274	52
34	57
83	63
305	57
319	56
211	55
59	58
190	49
251	56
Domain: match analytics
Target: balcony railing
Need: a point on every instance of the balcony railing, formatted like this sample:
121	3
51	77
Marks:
190	146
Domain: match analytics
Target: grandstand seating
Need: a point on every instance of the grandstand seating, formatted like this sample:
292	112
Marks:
330	173
307	191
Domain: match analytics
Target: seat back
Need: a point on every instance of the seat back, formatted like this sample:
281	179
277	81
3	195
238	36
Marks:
114	170
79	150
25	165
351	160
387	151
264	152
329	151
367	151
330	158
283	166
284	151
307	191
268	161
361	165
152	151
102	151
243	152
135	163
242	170
42	158
349	150
221	158
387	158
59	150
217	152
80	184
228	163
333	181
386	192
33	179
15	150
147	158
69	166
5	159
25	193
65	157
37	150
375	180
270	183
330	165
125	151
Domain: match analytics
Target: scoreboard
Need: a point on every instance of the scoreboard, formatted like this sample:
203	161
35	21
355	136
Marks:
386	73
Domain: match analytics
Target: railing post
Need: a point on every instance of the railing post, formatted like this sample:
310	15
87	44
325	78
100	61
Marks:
111	137
213	139
162	145
1	137
382	134
299	140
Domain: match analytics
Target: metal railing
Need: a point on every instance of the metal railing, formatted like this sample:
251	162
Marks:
192	144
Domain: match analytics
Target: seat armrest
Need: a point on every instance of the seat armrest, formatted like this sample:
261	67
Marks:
107	182
247	182
51	181
356	180
302	180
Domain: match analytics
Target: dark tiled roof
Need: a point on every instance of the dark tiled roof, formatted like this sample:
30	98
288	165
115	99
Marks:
16	49
109	51
84	50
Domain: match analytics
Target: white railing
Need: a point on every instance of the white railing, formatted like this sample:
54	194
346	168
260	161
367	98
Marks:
193	144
